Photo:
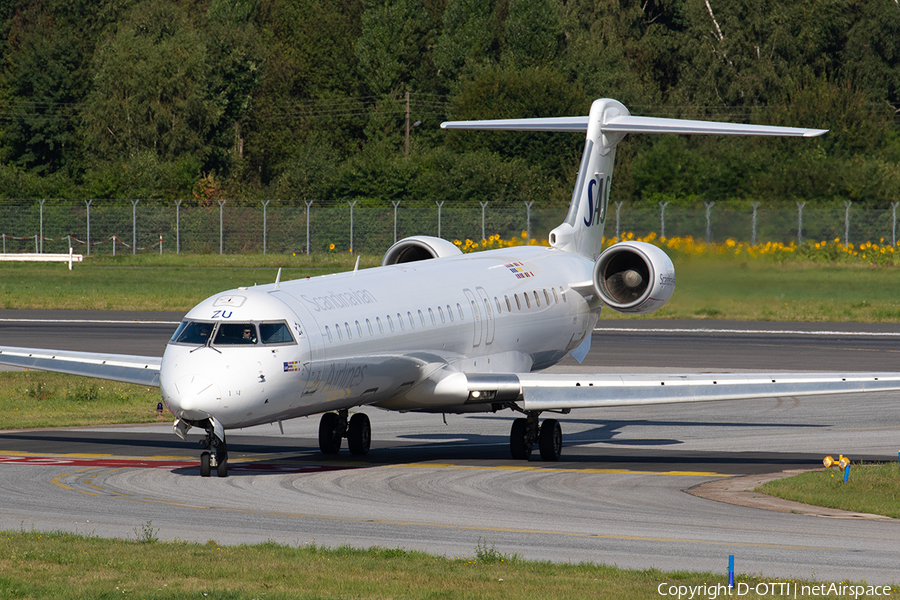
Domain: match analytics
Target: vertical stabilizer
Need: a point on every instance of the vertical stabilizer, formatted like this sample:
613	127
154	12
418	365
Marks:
582	231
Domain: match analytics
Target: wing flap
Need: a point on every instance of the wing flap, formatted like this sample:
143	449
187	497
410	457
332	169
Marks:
142	370
556	392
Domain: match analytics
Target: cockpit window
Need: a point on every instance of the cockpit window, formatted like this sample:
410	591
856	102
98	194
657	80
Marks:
235	334
193	332
275	333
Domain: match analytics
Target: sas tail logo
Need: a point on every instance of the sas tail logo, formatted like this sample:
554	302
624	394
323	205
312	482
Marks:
596	211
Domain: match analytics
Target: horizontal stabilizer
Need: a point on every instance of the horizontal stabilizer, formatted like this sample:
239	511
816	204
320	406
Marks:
142	370
631	124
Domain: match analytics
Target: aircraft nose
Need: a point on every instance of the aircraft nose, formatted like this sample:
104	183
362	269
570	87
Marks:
194	397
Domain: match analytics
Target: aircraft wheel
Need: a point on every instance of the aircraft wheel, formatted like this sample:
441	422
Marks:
359	434
222	462
519	445
204	464
550	440
330	434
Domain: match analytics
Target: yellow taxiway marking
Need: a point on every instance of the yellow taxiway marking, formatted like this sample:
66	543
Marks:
357	464
548	469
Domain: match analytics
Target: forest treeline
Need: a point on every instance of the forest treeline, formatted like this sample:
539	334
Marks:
306	100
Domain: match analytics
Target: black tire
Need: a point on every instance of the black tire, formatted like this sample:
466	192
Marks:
330	434
550	440
221	461
359	434
204	464
518	440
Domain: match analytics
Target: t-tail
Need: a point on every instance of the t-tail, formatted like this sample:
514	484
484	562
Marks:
608	123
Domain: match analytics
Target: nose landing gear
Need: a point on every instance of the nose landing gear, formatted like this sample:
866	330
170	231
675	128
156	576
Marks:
217	459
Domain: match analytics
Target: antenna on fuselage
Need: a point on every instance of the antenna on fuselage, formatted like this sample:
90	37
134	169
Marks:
356	268
278	278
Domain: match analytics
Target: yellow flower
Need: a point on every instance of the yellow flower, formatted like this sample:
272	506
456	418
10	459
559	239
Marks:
331	246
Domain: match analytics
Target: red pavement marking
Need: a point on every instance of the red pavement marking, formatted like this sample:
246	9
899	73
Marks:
138	463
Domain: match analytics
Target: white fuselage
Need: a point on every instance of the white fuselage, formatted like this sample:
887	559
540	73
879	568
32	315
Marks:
390	336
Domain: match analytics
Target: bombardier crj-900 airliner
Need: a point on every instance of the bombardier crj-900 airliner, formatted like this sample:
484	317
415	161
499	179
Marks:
437	331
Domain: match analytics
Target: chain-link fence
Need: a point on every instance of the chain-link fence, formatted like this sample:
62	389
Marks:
104	227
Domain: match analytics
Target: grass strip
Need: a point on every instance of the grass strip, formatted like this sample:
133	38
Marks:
40	399
61	565
872	488
709	287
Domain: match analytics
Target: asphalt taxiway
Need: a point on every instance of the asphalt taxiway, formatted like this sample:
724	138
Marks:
616	497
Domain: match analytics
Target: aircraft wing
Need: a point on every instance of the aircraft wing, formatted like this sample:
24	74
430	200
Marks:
142	370
537	391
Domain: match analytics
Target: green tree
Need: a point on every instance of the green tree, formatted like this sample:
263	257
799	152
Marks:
151	88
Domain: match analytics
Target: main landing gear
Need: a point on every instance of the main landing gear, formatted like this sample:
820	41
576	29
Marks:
526	431
217	459
334	427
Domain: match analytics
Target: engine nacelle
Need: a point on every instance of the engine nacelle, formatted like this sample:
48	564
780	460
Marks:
420	247
634	277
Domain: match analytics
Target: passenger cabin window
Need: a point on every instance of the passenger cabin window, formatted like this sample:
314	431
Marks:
422	318
518	304
380	326
508	305
431	314
412	323
369	325
450	312
527	301
499	310
349	333
390	323
400	320
359	329
236	334
441	313
462	316
555	296
562	293
193	332
547	297
537	299
328	332
275	333
337	327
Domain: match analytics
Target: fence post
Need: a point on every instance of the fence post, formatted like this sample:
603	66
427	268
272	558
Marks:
134	226
709	206
662	218
114	245
847	222
439	205
308	204
178	226
88	203
265	204
893	223
800	206
618	210
528	206
40	250
4	243
221	226
352	204
483	205
69	238
160	244
396	203
755	206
